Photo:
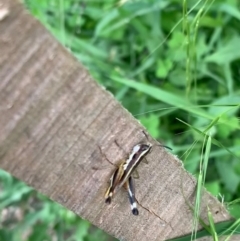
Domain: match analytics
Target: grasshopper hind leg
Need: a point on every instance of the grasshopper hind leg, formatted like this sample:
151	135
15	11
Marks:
108	195
130	188
114	180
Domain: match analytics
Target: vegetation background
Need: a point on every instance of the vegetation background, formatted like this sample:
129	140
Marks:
184	58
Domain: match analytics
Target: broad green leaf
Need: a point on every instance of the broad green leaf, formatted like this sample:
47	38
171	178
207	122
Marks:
230	179
213	187
230	10
163	68
227	53
151	122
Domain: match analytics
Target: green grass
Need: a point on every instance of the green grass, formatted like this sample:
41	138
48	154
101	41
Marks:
28	215
174	64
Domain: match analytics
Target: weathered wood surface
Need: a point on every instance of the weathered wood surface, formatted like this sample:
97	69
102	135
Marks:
53	117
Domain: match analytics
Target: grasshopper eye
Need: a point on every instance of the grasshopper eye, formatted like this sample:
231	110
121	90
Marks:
138	149
145	147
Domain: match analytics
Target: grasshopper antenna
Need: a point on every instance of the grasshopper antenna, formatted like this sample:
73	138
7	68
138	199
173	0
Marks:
145	134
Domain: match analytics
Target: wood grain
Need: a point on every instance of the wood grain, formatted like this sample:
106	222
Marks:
54	118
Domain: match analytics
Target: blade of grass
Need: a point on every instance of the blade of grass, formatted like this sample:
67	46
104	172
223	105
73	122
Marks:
221	227
212	226
206	157
214	141
171	99
232	229
200	182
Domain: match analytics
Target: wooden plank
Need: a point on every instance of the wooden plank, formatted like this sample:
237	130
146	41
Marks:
54	118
